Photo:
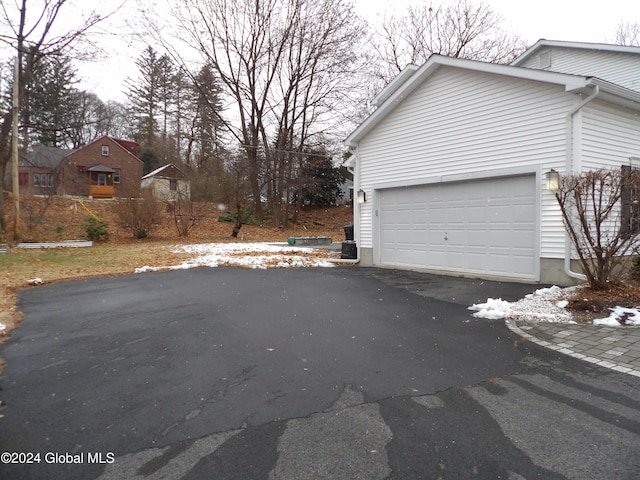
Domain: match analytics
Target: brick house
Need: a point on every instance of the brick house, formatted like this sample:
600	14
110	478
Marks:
37	170
105	168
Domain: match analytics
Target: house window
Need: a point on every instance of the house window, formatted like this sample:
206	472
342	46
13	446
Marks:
630	200
105	150
102	179
23	179
173	184
43	180
116	176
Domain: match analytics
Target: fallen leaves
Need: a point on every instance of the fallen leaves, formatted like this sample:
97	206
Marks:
587	304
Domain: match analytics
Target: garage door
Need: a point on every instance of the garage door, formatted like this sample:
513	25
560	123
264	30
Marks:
485	227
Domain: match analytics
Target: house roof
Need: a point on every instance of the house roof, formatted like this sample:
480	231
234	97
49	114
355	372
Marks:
101	168
122	145
166	171
129	145
406	73
409	83
542	43
44	157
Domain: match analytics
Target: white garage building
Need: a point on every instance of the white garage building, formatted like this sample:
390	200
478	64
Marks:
452	162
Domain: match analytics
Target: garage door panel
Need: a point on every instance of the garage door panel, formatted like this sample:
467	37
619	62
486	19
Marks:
482	227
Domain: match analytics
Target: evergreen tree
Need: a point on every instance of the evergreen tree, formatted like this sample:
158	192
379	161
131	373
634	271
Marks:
154	103
49	105
144	96
319	180
207	123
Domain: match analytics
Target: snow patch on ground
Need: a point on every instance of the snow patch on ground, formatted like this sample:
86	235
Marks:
543	305
620	316
493	309
548	305
249	255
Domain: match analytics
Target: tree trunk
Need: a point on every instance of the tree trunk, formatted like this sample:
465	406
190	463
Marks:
3	218
239	221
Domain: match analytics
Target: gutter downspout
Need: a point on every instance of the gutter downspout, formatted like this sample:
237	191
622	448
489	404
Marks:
568	169
352	261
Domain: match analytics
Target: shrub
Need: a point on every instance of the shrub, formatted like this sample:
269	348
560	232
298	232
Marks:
96	229
634	271
139	216
247	217
185	214
599	210
60	228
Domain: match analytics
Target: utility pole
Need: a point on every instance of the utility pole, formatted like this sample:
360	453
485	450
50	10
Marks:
14	150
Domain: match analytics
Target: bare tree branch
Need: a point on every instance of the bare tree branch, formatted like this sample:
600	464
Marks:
463	29
628	34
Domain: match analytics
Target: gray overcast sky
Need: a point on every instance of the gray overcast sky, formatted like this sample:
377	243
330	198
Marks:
572	20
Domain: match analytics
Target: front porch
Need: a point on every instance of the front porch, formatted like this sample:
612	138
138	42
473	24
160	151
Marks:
101	182
102	191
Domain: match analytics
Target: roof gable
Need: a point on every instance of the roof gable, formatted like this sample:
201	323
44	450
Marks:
601	47
577	84
119	145
616	64
436	62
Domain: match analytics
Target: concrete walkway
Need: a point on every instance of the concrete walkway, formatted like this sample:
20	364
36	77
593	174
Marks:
609	347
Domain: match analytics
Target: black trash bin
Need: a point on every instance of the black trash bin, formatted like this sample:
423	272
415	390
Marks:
348	232
349	251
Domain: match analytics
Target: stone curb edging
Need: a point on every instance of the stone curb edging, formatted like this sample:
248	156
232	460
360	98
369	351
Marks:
511	324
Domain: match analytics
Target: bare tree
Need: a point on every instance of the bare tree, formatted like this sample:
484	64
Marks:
312	82
463	29
628	34
238	40
600	213
116	121
89	119
31	34
281	65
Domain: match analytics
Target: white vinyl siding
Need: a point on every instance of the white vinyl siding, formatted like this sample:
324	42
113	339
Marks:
464	123
610	136
616	67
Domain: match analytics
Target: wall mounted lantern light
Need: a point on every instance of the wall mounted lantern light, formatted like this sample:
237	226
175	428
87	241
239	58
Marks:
553	180
362	196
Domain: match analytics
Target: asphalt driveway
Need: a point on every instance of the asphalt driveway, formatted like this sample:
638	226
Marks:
295	373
